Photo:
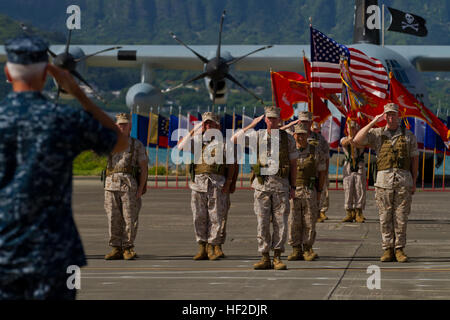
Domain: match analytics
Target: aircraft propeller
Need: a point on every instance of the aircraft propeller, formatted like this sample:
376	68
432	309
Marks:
68	62
217	68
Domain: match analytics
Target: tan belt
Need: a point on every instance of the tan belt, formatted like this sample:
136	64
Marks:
118	170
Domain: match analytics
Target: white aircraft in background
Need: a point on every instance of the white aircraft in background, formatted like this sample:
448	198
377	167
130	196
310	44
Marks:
215	62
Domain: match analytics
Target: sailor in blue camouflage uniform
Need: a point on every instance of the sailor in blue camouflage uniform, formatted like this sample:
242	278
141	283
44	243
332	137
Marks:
39	140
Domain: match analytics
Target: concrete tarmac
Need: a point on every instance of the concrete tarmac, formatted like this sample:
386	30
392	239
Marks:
165	244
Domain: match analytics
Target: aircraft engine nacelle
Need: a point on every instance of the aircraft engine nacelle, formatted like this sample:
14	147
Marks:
81	68
221	93
142	96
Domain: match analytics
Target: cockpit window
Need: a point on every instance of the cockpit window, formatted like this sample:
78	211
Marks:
398	71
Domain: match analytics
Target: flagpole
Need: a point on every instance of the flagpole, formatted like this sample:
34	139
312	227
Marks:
445	156
310	102
329	130
443	172
242	165
167	153
148	131
308	89
337	166
233	123
368	171
133	111
423	168
382	25
178	139
434	154
219	109
188	129
272	86
157	149
434	165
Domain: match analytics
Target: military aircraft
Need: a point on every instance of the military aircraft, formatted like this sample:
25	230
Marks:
216	62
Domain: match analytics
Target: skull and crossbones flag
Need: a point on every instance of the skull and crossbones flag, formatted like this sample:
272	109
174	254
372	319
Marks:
407	23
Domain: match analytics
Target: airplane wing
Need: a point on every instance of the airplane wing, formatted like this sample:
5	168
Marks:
426	58
279	57
175	57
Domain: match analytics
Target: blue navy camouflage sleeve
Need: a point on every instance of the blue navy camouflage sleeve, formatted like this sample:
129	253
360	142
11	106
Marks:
89	133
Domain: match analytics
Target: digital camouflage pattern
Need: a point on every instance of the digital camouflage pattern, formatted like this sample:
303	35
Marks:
304	208
39	140
324	201
272	207
26	49
209	208
324	147
274	183
394	206
393	189
125	182
121	205
354	181
208	203
271	203
395	177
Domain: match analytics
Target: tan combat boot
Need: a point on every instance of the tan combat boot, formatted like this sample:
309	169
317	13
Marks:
359	216
297	254
115	254
211	254
277	263
400	255
129	254
388	255
264	263
322	217
309	254
349	217
218	251
201	255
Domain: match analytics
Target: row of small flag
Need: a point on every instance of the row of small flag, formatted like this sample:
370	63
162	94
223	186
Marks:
162	129
157	130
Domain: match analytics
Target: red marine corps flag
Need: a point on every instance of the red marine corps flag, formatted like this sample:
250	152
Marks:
288	88
316	105
409	106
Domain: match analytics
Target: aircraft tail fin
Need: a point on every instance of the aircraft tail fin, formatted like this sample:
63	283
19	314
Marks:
367	22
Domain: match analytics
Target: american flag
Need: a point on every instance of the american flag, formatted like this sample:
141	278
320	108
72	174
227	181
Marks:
369	73
163	131
325	57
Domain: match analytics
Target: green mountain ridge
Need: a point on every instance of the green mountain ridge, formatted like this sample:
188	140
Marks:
197	22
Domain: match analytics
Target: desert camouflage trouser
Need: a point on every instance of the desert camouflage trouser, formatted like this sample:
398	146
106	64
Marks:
271	205
394	206
122	209
355	191
303	218
324	199
223	226
209	211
